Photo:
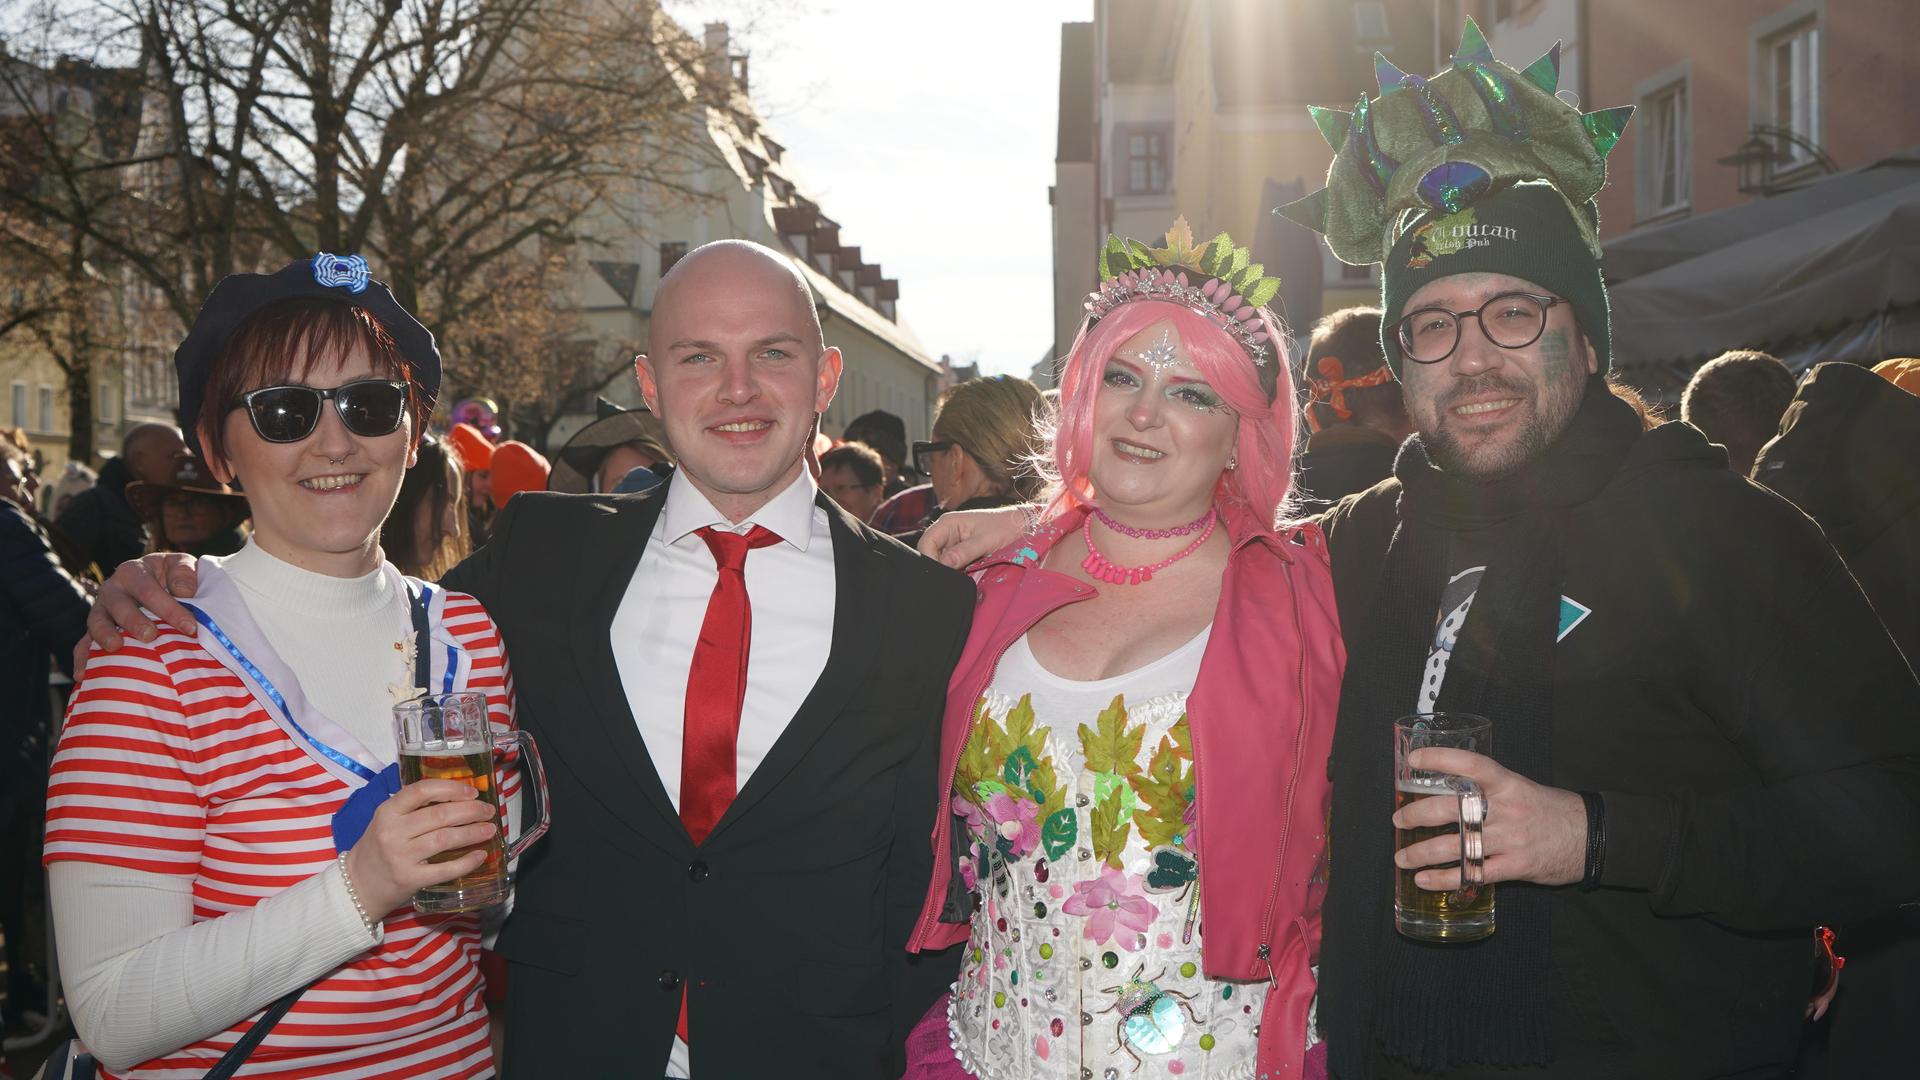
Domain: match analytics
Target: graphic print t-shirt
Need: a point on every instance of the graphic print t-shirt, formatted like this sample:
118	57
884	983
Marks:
1456	600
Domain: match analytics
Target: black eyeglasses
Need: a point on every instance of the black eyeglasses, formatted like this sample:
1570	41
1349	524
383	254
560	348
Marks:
1512	320
283	414
922	450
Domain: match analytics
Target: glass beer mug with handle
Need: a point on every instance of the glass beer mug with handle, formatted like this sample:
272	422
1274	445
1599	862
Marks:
1466	913
448	737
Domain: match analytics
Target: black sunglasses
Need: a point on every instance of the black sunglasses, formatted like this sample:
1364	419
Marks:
283	414
923	450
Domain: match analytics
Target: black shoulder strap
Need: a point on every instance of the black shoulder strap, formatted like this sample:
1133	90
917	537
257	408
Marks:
422	640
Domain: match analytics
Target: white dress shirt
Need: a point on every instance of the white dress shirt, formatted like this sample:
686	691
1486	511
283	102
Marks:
790	586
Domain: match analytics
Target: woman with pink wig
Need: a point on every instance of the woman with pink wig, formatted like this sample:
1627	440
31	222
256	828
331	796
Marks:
1133	788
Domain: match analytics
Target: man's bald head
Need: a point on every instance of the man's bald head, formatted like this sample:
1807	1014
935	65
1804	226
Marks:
725	268
148	450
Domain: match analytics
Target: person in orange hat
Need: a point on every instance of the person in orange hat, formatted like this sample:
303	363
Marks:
517	467
475	452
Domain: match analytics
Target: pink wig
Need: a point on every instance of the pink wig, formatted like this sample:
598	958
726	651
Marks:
1263	447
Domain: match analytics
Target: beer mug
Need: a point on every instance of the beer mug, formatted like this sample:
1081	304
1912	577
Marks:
448	737
1466	913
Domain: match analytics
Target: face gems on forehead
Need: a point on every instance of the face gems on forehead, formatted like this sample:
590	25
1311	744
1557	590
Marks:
1162	354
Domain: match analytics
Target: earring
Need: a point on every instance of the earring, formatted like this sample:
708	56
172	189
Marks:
1233	462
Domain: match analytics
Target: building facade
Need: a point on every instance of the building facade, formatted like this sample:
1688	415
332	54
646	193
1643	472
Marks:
741	185
1198	108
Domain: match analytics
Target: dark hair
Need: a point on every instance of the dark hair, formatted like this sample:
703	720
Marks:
864	460
1736	399
283	341
434	479
1353	335
883	431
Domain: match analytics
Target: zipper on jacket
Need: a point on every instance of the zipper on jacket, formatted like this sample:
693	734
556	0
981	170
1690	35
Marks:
1265	951
943	828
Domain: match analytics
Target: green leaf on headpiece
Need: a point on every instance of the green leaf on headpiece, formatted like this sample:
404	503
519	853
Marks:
1114	259
1473	44
1248	278
1219	252
1241	257
1263	293
1605	125
1545	72
1141	253
1332	124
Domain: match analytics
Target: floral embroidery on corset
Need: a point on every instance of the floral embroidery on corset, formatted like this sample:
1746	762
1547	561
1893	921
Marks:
1083	852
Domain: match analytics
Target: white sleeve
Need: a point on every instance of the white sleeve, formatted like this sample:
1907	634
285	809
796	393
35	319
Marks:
143	979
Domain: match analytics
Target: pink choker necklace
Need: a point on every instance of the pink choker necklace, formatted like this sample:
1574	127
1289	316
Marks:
1097	566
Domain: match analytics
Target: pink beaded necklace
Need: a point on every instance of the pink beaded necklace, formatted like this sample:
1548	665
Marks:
1098	567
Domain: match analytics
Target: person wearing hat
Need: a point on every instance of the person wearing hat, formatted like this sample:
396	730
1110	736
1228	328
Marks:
1703	743
230	853
517	467
475	452
602	454
194	513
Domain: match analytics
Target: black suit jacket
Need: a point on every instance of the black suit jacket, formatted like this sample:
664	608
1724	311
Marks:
787	925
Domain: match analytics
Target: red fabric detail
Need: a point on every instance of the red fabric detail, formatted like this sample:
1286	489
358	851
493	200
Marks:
1332	388
493	971
716	690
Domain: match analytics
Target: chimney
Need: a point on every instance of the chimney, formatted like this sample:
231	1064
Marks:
716	41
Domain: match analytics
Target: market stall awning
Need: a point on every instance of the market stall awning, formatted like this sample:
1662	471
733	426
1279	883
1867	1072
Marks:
1836	260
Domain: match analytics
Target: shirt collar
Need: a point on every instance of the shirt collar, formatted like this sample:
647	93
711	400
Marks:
788	515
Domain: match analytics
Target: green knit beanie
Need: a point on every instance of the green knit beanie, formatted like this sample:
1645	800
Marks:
1526	231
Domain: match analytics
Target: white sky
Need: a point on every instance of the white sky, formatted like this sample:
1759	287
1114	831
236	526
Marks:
927	131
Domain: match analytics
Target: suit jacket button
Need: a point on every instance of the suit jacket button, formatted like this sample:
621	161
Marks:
697	872
669	980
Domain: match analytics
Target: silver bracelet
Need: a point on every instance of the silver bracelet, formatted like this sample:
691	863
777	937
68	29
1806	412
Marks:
354	896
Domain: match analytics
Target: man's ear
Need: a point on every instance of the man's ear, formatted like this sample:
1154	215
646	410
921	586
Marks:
1593	356
649	389
829	383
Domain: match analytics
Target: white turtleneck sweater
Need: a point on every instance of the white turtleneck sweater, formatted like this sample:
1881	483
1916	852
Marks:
144	975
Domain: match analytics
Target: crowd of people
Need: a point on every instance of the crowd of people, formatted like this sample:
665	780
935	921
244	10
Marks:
1098	781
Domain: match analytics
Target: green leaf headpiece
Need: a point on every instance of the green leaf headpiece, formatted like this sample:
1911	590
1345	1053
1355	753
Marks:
1440	143
1231	288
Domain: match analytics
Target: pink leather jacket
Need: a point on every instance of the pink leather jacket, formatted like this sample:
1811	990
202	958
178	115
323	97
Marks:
1261	713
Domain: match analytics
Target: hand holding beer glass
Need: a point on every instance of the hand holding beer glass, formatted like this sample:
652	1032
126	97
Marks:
1465	913
445	739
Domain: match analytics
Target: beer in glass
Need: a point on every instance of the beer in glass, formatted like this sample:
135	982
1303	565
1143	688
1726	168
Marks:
1466	913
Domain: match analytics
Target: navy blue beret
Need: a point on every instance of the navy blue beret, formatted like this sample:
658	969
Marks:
341	278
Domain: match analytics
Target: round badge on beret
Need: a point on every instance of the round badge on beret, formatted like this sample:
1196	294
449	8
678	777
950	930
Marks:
341	272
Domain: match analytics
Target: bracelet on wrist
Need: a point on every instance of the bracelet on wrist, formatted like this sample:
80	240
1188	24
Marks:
346	880
1596	840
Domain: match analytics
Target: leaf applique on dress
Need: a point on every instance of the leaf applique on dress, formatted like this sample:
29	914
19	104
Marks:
1115	746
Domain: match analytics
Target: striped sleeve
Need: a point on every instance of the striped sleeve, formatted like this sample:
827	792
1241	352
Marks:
489	672
127	786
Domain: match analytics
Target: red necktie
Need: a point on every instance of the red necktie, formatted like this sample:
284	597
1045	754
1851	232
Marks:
716	690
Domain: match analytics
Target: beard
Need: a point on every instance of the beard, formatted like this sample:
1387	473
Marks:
1547	412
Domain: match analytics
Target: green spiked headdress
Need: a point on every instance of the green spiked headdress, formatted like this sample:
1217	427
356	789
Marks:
1440	143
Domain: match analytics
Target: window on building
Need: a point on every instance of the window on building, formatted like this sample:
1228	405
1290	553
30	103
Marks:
105	399
1145	160
1369	22
1665	180
670	252
20	405
46	408
1790	61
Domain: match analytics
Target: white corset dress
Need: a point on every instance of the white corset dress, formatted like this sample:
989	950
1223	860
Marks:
1084	957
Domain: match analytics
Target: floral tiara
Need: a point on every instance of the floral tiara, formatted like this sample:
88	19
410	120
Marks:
1233	290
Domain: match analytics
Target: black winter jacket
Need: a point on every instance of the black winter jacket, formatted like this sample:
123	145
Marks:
102	524
43	612
1755	736
1848	453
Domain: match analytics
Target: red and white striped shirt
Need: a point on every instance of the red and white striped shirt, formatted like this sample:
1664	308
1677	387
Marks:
168	764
